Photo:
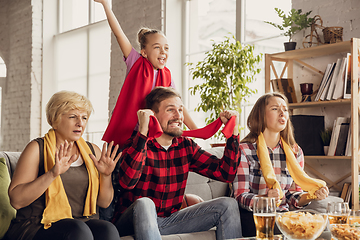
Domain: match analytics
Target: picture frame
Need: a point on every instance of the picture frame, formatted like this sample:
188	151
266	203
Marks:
286	87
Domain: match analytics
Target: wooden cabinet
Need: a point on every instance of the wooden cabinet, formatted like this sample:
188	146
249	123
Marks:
299	58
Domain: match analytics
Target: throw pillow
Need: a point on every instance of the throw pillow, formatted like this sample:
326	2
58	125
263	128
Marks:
7	212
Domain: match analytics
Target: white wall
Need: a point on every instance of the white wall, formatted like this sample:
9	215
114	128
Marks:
344	13
132	15
21	50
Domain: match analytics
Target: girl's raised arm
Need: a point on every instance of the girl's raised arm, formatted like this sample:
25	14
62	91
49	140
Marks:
121	38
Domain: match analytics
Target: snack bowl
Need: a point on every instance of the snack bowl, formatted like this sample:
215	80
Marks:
301	224
344	231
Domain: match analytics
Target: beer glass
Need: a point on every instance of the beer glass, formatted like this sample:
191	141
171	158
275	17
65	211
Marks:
264	211
338	212
354	217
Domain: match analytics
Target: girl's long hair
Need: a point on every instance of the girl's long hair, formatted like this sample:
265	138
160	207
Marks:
256	121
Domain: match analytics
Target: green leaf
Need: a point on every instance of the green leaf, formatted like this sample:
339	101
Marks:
227	70
293	22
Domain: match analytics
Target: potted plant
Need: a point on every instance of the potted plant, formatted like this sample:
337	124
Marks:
227	69
326	137
291	24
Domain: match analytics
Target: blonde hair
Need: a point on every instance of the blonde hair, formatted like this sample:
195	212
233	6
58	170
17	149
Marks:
256	121
63	102
143	33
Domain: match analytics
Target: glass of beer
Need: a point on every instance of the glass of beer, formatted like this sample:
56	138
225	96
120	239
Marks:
354	218
338	212
264	211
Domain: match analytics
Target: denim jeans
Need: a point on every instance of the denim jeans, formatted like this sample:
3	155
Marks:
141	220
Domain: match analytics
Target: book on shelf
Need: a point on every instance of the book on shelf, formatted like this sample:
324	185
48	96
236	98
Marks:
335	134
344	191
340	83
348	195
348	143
323	81
285	86
327	83
333	80
347	81
342	139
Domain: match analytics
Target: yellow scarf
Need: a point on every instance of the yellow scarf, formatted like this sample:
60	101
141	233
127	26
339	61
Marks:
57	204
306	183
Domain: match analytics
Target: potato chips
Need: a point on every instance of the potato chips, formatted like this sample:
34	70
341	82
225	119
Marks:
345	232
301	225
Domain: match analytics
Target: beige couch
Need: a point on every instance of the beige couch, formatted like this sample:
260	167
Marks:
204	187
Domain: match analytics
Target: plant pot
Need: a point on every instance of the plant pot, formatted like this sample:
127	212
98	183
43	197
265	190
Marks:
326	150
289	46
213	145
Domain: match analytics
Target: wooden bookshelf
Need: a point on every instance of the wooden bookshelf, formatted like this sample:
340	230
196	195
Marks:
320	104
298	56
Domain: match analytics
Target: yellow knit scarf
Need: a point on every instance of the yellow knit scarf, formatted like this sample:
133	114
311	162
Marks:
306	183
57	204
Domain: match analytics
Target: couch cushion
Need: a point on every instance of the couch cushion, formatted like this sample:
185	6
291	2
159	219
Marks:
11	160
7	212
320	205
205	187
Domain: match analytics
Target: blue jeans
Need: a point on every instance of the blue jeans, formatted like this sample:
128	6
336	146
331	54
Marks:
141	219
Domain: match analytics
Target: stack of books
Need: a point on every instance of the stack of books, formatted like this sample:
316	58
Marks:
340	143
336	82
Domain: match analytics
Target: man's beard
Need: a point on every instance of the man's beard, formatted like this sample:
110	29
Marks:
175	132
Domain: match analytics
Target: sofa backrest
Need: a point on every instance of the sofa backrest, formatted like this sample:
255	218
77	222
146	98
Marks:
205	187
11	160
202	186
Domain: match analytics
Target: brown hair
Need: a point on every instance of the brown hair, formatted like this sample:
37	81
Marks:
143	33
63	102
256	121
157	95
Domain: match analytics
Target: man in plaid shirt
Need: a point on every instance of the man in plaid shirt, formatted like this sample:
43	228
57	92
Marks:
153	175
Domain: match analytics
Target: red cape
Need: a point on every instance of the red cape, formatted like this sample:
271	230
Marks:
137	85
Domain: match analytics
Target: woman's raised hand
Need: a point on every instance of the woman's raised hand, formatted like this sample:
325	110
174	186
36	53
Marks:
107	162
63	158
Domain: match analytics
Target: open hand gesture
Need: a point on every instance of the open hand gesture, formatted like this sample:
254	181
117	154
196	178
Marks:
63	159
107	162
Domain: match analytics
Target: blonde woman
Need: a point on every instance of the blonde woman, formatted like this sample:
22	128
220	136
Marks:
60	179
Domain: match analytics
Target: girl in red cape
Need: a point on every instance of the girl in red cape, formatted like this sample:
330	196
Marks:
145	70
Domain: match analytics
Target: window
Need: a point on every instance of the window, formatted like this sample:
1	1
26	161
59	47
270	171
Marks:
208	20
2	68
82	58
2	84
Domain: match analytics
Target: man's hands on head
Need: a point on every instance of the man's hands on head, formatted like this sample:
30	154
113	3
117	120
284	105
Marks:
144	119
226	115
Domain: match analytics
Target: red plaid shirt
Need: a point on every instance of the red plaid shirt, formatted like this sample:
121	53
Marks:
149	170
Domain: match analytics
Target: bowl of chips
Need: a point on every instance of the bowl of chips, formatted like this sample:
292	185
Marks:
301	224
345	231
